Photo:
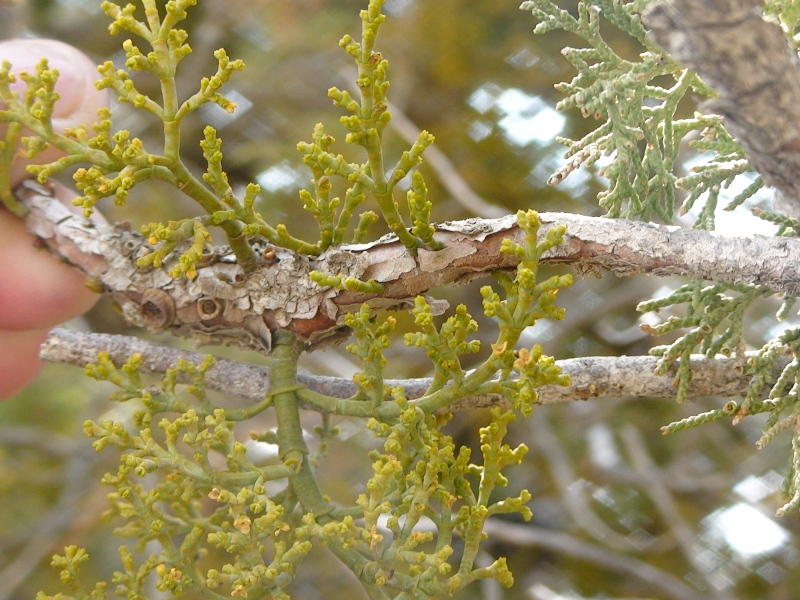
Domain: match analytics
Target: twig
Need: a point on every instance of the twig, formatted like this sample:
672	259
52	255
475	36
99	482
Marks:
568	488
562	543
596	377
657	491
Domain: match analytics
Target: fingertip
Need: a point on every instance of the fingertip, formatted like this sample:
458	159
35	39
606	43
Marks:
79	98
38	290
19	359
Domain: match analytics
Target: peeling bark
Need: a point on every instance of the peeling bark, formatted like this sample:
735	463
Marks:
223	304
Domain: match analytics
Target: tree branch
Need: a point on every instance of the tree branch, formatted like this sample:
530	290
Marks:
223	304
596	377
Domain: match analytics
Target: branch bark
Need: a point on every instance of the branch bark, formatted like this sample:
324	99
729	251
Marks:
750	64
223	304
595	377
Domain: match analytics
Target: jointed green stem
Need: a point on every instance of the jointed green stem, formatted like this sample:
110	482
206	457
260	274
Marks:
350	407
291	445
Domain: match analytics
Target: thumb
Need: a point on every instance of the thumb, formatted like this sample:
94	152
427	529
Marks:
79	98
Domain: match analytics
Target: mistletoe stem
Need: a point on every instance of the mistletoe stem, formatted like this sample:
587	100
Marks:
291	445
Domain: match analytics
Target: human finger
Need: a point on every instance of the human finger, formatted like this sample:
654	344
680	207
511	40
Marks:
19	359
79	99
37	290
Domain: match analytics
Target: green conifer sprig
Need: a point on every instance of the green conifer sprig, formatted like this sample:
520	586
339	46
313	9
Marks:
710	178
640	128
710	416
788	14
787	226
783	398
713	318
783	405
639	133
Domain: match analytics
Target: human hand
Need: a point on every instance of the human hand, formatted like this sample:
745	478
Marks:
36	290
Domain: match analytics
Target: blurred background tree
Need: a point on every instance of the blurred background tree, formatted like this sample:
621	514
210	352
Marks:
619	511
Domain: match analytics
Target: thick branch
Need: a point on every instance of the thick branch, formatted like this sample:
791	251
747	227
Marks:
223	304
596	377
750	64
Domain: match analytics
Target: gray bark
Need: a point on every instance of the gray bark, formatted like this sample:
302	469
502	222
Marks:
591	378
225	305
